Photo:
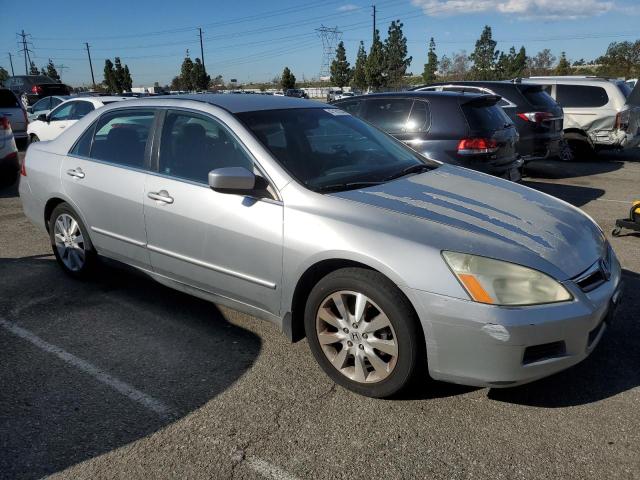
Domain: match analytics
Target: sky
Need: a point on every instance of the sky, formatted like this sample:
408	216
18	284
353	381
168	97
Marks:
253	40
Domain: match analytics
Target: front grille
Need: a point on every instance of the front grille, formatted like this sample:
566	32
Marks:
591	280
537	353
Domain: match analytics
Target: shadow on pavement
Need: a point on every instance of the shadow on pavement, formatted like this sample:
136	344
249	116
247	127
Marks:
174	348
9	191
574	194
613	368
556	169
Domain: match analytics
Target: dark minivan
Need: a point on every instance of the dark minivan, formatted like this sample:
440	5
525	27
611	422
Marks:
468	130
34	87
536	115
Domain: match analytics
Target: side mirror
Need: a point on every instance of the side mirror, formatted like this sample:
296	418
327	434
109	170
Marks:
29	109
232	180
43	117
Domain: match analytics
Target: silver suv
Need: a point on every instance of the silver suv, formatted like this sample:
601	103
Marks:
310	218
599	113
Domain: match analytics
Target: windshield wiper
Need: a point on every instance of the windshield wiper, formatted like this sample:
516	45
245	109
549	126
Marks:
420	167
338	187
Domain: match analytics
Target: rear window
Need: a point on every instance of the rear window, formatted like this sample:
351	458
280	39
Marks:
41	79
536	96
581	96
8	99
484	118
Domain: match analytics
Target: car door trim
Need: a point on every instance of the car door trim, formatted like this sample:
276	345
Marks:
107	233
215	268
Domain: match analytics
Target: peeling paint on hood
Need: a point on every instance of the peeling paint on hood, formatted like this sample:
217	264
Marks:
495	208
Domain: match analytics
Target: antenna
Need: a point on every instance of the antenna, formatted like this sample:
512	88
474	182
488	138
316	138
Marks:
330	38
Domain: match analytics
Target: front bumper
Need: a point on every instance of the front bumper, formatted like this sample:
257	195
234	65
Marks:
488	346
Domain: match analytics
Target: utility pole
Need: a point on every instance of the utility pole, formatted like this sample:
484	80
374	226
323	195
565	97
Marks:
93	80
202	50
25	49
11	63
374	22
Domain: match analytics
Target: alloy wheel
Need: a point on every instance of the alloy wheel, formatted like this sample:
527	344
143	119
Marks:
69	242
356	336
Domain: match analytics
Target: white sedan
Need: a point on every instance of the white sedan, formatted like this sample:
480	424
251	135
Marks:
49	126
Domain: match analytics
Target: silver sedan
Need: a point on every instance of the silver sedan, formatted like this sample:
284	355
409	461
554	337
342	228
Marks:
303	215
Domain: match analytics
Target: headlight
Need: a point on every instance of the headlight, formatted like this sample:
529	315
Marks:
502	283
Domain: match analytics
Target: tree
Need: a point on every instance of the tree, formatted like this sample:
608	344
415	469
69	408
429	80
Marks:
340	71
33	70
484	56
109	76
186	79
375	66
431	67
288	79
563	67
199	78
3	75
176	83
119	75
127	80
622	59
445	65
395	55
50	71
460	65
359	74
519	64
542	63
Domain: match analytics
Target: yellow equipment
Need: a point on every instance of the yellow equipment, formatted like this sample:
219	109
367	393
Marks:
631	223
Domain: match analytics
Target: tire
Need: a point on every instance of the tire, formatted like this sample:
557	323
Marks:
349	352
70	242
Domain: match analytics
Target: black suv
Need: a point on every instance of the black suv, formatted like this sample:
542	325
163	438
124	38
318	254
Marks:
31	88
533	111
469	130
296	92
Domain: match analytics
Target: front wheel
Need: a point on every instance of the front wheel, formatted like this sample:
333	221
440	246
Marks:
363	332
71	244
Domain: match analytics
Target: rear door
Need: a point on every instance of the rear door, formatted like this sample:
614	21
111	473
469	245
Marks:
11	108
104	175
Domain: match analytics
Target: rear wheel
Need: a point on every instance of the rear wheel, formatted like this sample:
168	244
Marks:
363	332
71	244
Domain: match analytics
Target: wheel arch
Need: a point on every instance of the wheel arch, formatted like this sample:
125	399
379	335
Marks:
56	200
293	321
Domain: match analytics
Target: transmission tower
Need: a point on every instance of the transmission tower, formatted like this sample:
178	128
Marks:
330	38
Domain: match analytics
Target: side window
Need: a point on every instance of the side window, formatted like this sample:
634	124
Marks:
352	106
389	114
193	145
63	112
581	96
419	117
80	109
121	137
83	145
42	105
55	102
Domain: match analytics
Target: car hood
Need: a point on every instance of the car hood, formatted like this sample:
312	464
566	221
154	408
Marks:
496	218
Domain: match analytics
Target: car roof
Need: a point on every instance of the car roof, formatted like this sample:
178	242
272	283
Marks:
241	103
412	93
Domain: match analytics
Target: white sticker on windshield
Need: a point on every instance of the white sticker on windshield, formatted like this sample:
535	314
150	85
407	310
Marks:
335	111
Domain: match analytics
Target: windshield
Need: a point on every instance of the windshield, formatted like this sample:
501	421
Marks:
328	149
624	87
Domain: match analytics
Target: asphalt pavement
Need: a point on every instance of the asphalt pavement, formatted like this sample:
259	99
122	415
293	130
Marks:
120	377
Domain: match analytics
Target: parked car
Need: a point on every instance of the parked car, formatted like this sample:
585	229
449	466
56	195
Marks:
12	109
45	105
326	225
632	82
31	88
9	163
333	93
599	113
49	126
468	130
296	92
278	93
345	95
535	114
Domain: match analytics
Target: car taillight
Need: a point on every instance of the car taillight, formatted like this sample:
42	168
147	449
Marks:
622	120
4	123
475	146
535	117
37	89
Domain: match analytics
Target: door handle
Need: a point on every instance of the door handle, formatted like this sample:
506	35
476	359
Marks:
161	196
75	172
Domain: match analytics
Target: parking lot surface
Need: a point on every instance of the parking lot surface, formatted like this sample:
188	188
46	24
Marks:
120	377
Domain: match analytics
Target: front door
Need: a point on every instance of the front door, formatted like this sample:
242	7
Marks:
226	244
104	175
